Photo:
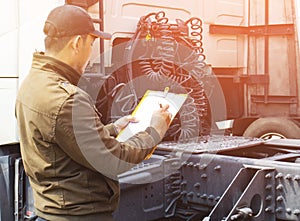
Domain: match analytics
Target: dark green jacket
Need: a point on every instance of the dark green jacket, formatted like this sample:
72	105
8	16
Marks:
71	158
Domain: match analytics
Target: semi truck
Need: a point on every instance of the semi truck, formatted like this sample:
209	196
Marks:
222	158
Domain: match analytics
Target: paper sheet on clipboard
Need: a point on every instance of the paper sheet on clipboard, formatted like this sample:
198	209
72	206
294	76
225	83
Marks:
149	103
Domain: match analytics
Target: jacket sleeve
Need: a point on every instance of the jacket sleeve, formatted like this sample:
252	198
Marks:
81	134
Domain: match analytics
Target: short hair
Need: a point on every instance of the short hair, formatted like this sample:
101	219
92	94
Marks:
56	44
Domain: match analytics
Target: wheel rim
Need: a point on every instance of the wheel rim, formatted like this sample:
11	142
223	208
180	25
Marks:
272	136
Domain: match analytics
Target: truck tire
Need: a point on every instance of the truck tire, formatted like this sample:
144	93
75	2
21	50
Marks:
273	127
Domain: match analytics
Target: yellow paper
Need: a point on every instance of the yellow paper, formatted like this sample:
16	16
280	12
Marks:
149	103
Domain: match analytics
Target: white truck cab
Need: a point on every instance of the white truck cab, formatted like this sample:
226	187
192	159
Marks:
252	48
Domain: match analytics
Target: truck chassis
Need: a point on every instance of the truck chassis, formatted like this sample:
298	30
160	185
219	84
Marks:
215	178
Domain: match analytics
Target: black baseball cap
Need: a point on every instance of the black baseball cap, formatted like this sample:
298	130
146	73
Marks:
69	20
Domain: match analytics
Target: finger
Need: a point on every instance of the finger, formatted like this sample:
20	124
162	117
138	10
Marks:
132	119
165	107
169	116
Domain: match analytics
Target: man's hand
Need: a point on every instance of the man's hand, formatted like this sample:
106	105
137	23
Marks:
123	122
161	120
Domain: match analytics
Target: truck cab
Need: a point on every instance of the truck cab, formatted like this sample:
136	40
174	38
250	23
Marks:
249	49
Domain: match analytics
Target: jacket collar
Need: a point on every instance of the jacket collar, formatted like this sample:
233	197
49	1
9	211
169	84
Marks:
47	63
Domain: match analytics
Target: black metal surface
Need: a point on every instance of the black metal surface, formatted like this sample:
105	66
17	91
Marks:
223	183
150	190
7	187
216	178
211	144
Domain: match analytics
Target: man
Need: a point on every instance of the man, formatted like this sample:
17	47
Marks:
71	158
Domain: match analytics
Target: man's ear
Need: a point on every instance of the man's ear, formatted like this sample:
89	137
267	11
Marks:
75	42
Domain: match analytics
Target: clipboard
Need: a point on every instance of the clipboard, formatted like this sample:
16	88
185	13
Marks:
150	102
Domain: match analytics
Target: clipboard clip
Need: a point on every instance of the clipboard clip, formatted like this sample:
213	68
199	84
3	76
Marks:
166	91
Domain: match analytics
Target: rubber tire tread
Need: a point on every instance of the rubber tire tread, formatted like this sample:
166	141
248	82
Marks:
284	126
